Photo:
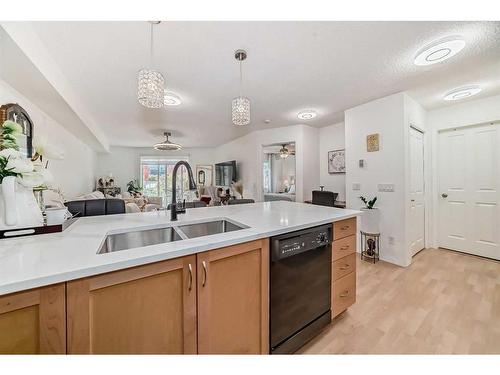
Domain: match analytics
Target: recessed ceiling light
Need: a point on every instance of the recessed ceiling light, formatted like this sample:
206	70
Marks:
307	114
171	99
462	92
439	51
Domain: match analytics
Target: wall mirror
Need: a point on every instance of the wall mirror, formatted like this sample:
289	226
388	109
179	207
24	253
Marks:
16	113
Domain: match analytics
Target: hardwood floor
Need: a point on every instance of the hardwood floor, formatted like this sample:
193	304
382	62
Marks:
444	303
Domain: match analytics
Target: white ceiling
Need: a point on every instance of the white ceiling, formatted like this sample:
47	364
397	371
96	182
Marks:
327	66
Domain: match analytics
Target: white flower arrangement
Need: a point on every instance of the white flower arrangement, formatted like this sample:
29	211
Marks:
28	172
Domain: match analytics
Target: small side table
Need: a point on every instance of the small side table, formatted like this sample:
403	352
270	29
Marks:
370	246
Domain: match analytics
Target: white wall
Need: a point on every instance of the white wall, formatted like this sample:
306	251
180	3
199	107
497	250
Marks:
75	174
124	162
468	113
331	138
386	117
247	151
463	114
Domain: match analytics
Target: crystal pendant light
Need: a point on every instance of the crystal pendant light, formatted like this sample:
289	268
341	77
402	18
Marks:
240	112
151	84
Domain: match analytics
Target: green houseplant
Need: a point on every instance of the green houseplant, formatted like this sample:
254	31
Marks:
368	203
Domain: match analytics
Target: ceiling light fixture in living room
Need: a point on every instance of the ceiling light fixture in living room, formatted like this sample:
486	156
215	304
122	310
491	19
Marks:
171	99
150	82
240	109
167	145
308	114
284	152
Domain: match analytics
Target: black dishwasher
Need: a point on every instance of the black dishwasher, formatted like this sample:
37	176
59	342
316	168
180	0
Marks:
300	287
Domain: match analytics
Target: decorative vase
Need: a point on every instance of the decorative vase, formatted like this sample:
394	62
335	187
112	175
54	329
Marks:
18	206
370	220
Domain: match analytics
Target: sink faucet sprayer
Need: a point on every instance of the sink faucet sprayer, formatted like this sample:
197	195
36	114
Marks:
192	186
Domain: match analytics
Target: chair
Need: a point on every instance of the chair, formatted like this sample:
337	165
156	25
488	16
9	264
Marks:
324	197
96	207
132	208
239	201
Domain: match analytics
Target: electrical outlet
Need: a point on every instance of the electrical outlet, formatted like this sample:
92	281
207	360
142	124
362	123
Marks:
386	187
356	186
391	240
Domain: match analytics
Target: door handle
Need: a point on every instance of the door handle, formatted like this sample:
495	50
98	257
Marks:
444	195
345	294
190	285
204	264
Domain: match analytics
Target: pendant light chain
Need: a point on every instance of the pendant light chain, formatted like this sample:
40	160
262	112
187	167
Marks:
151	45
240	106
241	79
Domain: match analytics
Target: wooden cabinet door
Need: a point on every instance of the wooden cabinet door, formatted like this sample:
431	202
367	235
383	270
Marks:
233	299
146	309
33	321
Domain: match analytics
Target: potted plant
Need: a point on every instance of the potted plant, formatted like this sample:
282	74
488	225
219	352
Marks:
134	188
370	217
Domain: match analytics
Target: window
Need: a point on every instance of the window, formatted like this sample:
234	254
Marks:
156	178
266	169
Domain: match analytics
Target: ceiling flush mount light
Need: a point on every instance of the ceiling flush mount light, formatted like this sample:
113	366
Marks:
171	99
462	92
150	82
166	145
308	114
240	106
439	51
284	152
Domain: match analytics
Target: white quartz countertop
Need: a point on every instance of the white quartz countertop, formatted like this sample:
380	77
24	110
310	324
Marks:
30	262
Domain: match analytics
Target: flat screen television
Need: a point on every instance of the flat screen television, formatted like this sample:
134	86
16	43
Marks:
225	173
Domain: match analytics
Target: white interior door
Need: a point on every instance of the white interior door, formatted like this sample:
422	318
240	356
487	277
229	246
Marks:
469	215
417	192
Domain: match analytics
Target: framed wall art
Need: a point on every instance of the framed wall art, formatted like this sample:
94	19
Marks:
372	142
336	161
204	175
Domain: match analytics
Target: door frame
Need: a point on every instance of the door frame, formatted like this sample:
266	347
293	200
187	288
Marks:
426	199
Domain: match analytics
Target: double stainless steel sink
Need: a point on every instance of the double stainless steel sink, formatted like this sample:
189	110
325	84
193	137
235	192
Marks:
153	236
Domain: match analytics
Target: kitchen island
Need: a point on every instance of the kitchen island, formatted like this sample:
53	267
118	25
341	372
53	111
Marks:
77	290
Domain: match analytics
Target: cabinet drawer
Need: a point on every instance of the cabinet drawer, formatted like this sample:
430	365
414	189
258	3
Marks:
343	266
343	247
344	228
343	293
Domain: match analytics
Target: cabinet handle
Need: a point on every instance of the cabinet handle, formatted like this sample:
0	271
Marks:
345	227
344	247
190	285
345	294
204	264
346	267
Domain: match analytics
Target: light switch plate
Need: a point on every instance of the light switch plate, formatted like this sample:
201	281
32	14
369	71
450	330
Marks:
356	186
386	187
